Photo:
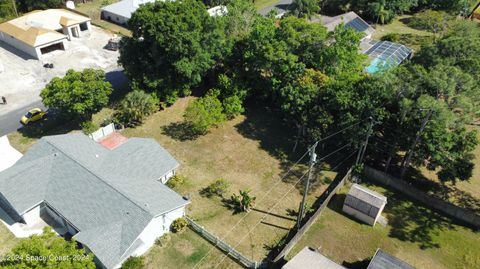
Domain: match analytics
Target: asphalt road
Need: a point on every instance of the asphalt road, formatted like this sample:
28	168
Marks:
11	122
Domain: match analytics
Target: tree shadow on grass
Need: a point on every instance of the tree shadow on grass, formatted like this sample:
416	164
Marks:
180	131
48	126
274	135
358	264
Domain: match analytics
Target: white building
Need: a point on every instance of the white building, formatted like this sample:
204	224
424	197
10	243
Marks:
42	31
364	204
120	12
108	196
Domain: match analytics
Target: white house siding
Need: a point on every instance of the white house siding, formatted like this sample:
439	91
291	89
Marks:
156	228
167	176
109	16
32	216
12	41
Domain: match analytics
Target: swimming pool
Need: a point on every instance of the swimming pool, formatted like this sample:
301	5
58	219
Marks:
377	65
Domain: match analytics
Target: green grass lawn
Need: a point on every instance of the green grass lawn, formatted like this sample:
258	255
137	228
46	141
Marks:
243	151
92	9
7	240
414	234
260	4
184	251
408	36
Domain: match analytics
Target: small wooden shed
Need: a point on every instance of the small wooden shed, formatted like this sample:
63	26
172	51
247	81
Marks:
364	204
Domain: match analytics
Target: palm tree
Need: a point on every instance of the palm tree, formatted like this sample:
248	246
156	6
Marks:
381	12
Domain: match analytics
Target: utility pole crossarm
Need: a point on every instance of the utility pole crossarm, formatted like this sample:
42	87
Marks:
313	159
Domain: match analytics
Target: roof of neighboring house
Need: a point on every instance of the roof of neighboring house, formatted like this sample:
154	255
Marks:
108	195
383	260
350	19
39	26
125	8
366	195
312	259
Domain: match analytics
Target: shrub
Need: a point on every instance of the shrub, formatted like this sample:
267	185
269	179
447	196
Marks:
392	37
218	187
430	20
89	127
179	225
163	240
243	202
135	107
133	263
232	106
204	113
175	181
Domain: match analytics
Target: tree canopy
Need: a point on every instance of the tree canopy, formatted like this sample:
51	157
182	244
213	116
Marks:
47	251
78	94
173	45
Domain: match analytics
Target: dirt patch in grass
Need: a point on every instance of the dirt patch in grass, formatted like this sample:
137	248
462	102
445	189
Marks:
415	234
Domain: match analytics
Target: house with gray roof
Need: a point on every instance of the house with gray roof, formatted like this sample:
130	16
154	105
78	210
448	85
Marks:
364	204
383	260
350	20
111	200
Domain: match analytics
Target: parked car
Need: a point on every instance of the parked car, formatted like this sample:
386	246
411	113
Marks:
113	44
33	115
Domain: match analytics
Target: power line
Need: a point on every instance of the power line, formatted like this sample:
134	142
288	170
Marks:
263	197
281	199
281	180
265	216
348	157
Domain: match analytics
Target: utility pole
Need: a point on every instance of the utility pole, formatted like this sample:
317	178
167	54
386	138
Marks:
408	159
15	8
313	159
361	151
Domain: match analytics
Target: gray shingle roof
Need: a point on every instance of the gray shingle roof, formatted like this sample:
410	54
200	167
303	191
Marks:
124	8
383	260
312	259
350	19
110	196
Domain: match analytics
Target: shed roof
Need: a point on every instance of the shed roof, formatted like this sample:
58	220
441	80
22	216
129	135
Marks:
312	259
383	260
108	195
39	27
125	8
368	196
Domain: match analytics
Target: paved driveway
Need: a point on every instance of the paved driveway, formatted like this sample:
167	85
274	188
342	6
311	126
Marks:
22	78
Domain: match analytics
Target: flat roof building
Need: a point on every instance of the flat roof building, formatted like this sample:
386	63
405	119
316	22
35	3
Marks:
310	258
364	204
41	31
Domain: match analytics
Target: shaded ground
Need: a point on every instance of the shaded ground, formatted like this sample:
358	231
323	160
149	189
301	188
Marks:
415	234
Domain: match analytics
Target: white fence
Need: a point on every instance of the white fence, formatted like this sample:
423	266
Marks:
224	246
102	132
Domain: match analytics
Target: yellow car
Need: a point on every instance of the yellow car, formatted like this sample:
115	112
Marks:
33	115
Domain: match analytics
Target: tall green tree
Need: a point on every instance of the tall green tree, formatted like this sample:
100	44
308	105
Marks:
78	94
173	45
305	8
47	251
204	113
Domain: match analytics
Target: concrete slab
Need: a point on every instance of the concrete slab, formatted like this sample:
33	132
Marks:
23	78
8	155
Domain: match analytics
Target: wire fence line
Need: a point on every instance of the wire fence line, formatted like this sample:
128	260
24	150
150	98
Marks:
232	252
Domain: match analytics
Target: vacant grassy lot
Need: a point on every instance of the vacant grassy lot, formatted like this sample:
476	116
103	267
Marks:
260	4
245	152
414	234
92	9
